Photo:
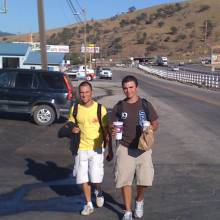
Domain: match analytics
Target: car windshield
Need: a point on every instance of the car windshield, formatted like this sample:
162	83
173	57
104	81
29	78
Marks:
105	69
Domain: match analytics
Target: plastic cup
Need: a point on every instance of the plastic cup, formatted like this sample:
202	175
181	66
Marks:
119	129
146	125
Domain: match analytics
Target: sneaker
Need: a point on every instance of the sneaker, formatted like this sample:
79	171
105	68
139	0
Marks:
139	209
87	210
127	215
99	199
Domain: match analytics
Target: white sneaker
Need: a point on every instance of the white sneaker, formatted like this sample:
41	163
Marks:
99	199
139	209
127	215
87	210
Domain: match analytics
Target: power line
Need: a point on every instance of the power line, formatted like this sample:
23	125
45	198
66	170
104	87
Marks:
80	7
74	11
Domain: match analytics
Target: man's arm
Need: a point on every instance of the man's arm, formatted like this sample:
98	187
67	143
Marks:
154	125
107	134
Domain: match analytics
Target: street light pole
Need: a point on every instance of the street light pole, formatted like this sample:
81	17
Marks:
44	63
4	10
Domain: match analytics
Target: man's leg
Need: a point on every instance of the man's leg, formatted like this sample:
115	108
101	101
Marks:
99	196
86	188
140	193
127	194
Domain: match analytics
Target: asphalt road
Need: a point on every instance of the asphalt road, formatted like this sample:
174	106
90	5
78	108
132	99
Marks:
35	166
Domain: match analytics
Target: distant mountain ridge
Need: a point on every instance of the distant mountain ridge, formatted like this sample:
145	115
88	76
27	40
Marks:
5	33
181	30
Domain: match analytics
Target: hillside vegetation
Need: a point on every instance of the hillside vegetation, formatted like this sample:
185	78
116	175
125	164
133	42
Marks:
183	30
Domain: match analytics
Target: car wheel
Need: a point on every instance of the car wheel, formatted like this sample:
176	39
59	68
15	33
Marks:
110	78
44	115
89	78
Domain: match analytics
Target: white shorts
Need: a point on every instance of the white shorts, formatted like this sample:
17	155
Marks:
89	166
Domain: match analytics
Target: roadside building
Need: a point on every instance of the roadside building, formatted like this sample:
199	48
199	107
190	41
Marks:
55	61
24	55
13	54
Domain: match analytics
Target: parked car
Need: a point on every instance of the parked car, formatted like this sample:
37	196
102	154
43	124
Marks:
45	95
105	73
72	73
86	73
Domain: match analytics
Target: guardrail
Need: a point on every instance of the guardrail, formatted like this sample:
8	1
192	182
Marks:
202	80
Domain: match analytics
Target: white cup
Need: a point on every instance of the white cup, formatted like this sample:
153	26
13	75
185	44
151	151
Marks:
146	125
119	129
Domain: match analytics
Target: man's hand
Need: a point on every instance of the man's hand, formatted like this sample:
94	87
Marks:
75	129
113	130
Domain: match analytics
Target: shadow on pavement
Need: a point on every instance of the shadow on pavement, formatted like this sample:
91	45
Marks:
35	197
15	116
50	172
113	205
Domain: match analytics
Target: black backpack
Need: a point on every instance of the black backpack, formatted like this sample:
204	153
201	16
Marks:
119	107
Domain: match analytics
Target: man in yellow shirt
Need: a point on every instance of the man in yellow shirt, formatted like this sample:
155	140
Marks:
89	161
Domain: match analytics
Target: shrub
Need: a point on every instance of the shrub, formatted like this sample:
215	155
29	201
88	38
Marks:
152	47
203	8
190	45
179	37
189	24
123	23
141	37
161	24
133	21
173	30
167	39
142	17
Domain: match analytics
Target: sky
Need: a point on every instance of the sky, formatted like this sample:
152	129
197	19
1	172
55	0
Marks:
22	16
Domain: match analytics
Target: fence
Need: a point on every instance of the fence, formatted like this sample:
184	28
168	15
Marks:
205	80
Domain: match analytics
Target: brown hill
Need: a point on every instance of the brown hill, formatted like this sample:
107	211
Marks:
183	30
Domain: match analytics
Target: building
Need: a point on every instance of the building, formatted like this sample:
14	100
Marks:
13	54
24	55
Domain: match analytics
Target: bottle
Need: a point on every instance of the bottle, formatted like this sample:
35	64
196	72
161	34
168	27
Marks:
141	118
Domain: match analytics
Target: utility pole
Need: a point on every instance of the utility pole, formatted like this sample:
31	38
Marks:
4	10
42	35
85	40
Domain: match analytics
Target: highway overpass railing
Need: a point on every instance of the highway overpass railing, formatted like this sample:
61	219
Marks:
199	79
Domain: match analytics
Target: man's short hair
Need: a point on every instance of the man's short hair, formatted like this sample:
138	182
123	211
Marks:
129	78
85	83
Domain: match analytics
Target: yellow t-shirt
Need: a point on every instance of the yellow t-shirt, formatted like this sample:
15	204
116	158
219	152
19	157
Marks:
90	131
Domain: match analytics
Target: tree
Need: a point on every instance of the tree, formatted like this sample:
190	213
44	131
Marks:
131	9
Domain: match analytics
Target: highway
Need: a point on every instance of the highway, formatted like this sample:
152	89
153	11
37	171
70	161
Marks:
193	68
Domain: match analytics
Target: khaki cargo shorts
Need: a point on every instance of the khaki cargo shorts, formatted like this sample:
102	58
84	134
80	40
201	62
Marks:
133	164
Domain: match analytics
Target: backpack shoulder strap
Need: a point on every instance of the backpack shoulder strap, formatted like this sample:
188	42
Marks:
119	109
99	115
145	107
75	111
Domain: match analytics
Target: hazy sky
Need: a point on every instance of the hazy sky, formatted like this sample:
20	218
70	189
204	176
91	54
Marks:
21	16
